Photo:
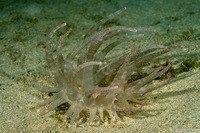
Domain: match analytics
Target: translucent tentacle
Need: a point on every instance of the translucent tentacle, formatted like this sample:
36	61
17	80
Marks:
49	56
56	103
94	28
95	45
93	112
51	99
100	110
121	74
140	83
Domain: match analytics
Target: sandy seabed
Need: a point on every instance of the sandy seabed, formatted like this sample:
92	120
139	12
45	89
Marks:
24	27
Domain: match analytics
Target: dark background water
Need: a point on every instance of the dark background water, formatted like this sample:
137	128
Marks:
25	25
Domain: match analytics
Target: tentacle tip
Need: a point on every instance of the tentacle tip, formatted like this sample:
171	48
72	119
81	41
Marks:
169	76
46	111
40	103
113	122
124	82
116	87
100	63
179	46
90	123
142	105
64	118
120	119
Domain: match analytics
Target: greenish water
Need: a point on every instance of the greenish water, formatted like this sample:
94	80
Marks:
24	26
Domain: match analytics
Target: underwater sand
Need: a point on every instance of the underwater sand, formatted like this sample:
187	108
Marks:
24	27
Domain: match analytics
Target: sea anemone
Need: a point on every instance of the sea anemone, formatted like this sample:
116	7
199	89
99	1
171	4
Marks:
88	80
